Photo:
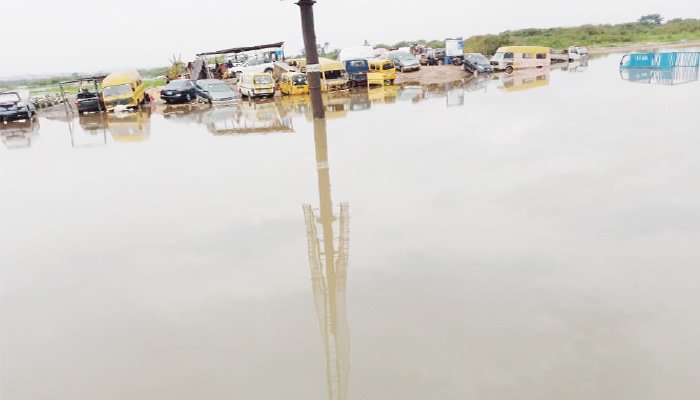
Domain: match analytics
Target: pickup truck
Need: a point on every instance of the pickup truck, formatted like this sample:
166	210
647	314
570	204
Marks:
14	108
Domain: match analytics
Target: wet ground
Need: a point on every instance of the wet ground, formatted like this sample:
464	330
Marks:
533	236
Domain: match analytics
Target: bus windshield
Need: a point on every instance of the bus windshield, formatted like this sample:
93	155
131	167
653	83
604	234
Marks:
263	79
117	90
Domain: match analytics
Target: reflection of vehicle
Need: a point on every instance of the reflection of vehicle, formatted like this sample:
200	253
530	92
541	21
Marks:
357	71
123	88
480	82
518	57
256	85
248	118
476	63
293	83
386	67
19	134
524	80
386	94
87	100
92	121
295	105
178	91
661	76
130	127
410	93
214	91
359	101
404	61
578	66
13	107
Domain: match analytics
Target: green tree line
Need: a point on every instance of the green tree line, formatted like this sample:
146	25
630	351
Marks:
649	28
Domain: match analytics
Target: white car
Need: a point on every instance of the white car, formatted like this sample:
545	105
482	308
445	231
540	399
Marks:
255	65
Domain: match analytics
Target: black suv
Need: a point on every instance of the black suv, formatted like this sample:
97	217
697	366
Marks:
88	100
13	108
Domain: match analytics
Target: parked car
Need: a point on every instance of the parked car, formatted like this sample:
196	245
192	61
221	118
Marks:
476	63
357	71
577	53
178	91
87	101
255	65
14	108
404	61
214	91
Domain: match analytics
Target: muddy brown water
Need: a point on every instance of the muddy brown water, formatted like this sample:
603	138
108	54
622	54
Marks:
531	237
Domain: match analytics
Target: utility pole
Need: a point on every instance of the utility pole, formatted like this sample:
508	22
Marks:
313	69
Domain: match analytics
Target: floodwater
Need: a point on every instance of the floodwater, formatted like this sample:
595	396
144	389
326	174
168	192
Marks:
530	237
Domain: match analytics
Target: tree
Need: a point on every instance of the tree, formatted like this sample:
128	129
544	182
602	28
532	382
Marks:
651	19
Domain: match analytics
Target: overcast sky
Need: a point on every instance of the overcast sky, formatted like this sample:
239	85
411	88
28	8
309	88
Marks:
51	36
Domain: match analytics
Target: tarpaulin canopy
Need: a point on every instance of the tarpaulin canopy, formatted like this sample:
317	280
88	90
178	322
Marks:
237	50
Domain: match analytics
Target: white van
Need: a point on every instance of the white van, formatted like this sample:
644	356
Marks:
510	58
256	85
255	64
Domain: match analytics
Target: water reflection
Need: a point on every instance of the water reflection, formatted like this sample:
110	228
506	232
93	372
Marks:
19	134
94	130
328	260
523	80
657	76
248	118
130	127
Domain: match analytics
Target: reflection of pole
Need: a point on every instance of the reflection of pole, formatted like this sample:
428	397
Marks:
324	192
313	70
329	271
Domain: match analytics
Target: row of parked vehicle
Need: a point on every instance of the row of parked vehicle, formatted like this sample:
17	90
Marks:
510	58
46	100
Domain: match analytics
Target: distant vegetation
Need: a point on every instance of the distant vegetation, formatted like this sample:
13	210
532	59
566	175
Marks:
50	85
649	28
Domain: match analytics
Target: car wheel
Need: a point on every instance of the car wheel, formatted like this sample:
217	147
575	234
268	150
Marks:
268	71
509	69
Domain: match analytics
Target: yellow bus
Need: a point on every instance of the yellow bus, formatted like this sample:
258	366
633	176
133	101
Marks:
293	83
510	58
123	88
333	75
386	67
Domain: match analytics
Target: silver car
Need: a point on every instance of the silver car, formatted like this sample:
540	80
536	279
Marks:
404	61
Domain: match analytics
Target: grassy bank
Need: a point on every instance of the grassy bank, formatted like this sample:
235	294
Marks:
73	88
589	35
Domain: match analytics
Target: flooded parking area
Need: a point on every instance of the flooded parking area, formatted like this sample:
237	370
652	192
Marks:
524	236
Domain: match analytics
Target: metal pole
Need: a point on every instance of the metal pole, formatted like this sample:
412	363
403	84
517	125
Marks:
65	102
313	70
97	90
